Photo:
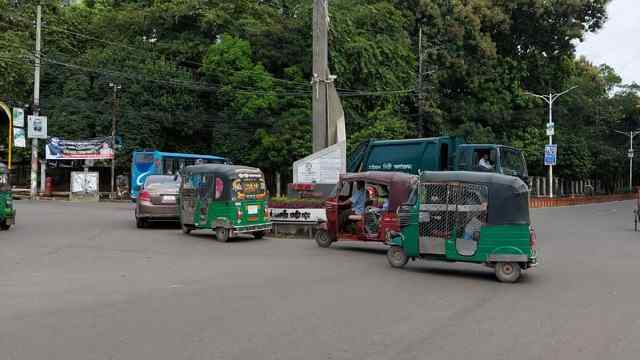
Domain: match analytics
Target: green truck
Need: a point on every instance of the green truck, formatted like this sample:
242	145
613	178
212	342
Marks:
437	154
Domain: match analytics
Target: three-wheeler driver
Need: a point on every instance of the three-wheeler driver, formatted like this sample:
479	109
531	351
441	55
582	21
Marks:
468	217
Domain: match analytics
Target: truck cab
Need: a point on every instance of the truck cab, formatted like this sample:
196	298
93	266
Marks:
436	154
503	159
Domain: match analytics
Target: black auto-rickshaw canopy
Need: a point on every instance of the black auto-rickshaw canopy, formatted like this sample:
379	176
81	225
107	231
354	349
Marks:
508	201
400	185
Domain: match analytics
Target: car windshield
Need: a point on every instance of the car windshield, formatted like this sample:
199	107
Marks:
512	162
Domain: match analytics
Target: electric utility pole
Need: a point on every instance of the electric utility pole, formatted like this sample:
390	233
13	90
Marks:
320	74
114	107
550	99
631	135
36	104
419	86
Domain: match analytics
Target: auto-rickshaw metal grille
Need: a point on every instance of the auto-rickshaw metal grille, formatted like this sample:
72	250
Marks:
446	211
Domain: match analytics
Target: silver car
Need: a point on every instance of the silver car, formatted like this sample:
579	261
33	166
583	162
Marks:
157	200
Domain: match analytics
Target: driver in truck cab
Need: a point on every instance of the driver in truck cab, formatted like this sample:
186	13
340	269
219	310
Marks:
484	162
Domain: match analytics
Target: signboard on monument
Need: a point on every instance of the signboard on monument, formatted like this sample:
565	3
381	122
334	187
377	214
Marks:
322	167
326	165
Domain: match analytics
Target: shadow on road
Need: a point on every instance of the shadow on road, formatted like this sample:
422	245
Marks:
481	273
361	249
210	236
162	225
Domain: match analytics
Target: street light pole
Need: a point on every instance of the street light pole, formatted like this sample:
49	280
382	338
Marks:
631	135
115	87
550	99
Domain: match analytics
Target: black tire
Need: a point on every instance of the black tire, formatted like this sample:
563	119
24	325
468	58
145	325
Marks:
141	223
186	229
4	226
258	234
397	257
222	234
508	272
323	239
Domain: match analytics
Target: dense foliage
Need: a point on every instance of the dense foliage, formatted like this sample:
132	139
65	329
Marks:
231	77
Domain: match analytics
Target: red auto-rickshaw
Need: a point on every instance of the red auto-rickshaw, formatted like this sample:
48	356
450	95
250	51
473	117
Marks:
384	192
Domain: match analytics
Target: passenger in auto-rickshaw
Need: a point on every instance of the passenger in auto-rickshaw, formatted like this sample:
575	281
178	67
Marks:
377	205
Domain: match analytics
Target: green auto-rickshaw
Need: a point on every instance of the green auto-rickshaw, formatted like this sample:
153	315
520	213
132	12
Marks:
228	199
7	207
468	217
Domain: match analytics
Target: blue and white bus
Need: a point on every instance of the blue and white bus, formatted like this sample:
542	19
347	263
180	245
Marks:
145	163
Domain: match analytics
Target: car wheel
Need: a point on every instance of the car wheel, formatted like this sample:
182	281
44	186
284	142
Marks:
258	234
222	234
141	223
397	257
508	272
323	239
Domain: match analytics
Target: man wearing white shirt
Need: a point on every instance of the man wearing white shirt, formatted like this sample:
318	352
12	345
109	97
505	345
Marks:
484	163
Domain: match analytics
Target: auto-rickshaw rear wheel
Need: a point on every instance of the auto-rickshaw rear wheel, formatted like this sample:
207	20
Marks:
4	226
508	272
258	234
222	234
186	229
397	257
323	239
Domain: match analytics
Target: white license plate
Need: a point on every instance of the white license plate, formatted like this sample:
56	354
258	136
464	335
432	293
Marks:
169	199
252	209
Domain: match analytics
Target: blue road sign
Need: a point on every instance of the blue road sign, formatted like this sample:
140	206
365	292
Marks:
550	154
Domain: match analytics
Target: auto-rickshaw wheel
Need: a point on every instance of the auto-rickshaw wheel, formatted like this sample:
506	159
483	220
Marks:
258	234
222	234
508	272
186	229
397	257
323	239
4	226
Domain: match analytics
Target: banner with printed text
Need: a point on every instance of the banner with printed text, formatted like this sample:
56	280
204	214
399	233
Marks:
96	149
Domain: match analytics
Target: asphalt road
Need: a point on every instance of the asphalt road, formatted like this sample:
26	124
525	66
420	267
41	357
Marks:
79	281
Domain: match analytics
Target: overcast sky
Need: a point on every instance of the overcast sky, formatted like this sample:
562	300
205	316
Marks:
618	43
